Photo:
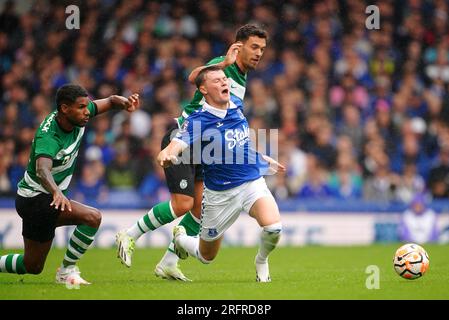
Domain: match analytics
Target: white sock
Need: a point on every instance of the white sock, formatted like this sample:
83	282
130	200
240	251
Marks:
268	240
170	259
190	244
134	232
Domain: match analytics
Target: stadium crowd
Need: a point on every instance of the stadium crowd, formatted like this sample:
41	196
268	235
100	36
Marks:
361	114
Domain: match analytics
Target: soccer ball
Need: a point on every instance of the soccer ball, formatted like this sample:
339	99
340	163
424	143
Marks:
411	261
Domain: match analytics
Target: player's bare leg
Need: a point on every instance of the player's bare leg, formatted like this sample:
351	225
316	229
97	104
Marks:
168	267
87	219
266	212
35	254
186	245
32	261
160	214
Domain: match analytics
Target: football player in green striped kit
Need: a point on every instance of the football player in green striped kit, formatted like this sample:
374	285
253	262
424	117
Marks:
185	181
41	199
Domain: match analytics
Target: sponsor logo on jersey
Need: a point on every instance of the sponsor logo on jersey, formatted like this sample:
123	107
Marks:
237	136
47	123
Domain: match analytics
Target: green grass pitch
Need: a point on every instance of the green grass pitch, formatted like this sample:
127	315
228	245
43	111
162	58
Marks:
311	272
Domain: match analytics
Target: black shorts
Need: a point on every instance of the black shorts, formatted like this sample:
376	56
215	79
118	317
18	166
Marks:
38	217
181	177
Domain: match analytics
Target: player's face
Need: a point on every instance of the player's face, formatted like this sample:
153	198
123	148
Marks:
77	113
252	51
216	85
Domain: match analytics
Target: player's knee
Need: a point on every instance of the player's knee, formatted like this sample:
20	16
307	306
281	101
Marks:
93	218
273	231
273	228
182	205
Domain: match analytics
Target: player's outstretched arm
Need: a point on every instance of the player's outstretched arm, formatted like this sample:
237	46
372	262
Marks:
230	58
275	166
43	171
130	104
169	155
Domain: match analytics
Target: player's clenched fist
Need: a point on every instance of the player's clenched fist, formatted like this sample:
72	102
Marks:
164	159
129	104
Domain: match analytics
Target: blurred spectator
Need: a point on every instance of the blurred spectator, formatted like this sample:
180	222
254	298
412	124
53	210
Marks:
351	125
154	187
323	148
121	174
385	125
278	183
122	128
6	159
8	18
261	103
329	85
439	70
6	188
102	137
352	63
295	160
410	183
409	151
438	182
381	185
315	186
418	223
91	187
348	91
346	181
17	169
279	187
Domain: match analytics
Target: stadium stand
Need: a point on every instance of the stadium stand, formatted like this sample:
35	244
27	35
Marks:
363	115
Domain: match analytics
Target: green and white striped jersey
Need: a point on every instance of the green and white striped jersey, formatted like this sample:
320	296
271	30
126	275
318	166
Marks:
237	86
61	146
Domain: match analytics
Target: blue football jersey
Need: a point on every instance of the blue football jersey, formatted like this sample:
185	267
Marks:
220	141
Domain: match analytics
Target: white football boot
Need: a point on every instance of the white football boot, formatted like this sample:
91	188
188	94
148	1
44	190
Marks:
262	272
70	276
179	250
125	247
170	273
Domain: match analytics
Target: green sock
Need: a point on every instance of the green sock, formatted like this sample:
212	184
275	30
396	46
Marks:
159	215
192	226
12	263
79	242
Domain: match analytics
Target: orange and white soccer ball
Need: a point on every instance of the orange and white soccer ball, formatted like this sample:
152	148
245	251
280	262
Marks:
411	261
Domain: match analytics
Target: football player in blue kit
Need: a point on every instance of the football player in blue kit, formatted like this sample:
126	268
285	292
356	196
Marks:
218	134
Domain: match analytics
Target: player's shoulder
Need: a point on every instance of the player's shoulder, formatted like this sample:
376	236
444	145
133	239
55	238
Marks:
47	128
236	104
196	115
